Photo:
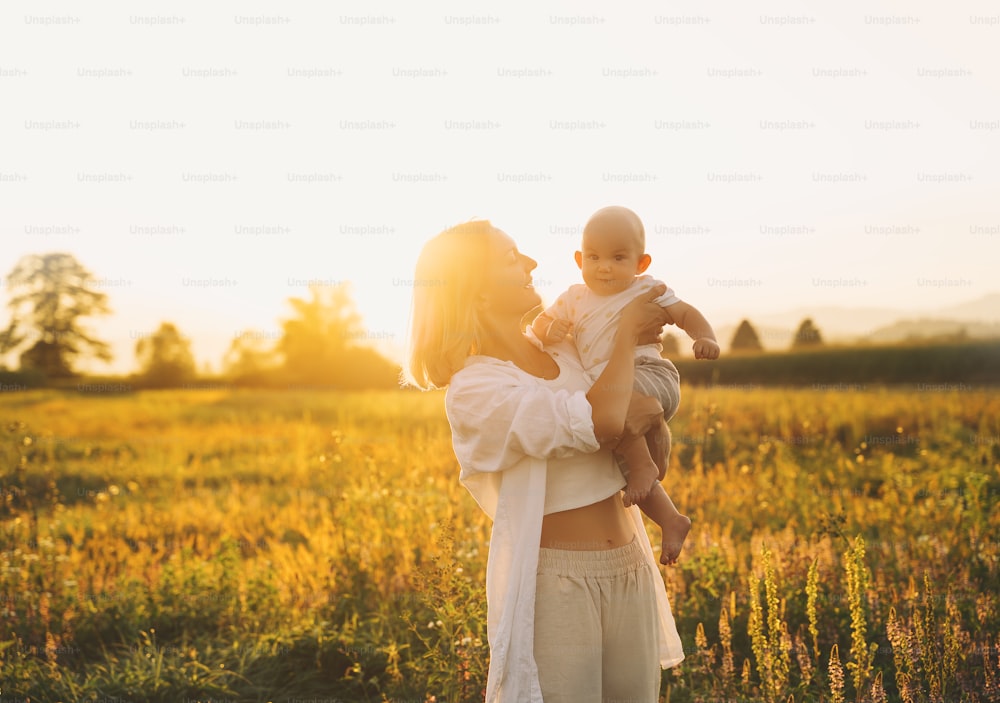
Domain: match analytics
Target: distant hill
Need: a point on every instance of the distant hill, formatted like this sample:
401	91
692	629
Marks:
980	319
908	330
985	309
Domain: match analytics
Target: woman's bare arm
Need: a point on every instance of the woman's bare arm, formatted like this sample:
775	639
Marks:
611	396
644	412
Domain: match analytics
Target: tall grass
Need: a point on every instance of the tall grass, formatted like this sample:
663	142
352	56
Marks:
258	546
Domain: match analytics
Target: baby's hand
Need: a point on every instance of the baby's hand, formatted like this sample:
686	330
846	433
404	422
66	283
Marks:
557	331
705	348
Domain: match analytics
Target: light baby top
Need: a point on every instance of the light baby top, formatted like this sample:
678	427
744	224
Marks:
520	439
595	319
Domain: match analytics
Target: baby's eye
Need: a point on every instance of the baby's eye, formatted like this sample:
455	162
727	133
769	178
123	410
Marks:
619	258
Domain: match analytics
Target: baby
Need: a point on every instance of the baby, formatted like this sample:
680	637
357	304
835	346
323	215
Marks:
613	257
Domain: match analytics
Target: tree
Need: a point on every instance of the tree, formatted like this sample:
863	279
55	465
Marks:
745	338
52	292
315	338
249	359
363	367
165	358
319	344
807	336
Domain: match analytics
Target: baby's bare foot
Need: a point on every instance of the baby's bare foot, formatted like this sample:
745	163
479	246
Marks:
675	531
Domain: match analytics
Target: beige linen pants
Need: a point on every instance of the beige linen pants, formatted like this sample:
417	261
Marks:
596	626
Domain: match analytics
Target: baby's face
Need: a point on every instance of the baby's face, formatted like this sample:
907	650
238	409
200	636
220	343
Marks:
610	260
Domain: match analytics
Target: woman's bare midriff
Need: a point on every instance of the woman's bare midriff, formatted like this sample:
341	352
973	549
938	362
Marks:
601	525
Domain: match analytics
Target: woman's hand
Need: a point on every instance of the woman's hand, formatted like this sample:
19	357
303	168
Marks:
643	319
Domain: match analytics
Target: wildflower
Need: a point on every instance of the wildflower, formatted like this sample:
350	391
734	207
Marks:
699	637
836	677
812	593
725	636
878	692
802	657
857	587
899	638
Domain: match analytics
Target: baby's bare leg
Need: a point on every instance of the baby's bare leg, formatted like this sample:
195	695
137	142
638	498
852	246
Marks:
659	441
674	527
642	470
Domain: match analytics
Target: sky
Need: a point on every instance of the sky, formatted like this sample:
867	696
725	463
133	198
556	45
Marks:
206	162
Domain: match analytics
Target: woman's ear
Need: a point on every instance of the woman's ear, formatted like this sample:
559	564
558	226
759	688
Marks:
644	261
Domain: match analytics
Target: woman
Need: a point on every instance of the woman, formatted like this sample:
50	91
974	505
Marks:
577	610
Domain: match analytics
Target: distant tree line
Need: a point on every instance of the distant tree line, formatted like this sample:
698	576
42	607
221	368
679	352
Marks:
318	346
746	339
930	366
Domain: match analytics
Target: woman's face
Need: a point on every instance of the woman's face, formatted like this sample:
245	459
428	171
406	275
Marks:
508	287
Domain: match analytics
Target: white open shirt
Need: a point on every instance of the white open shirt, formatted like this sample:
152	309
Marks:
507	425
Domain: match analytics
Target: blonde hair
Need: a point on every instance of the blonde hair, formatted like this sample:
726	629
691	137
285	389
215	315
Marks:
444	328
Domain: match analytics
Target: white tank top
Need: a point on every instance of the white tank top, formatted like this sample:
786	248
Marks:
580	479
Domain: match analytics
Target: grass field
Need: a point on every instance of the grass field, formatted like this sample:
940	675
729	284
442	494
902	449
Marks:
222	545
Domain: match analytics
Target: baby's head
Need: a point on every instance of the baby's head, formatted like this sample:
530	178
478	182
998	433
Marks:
613	251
